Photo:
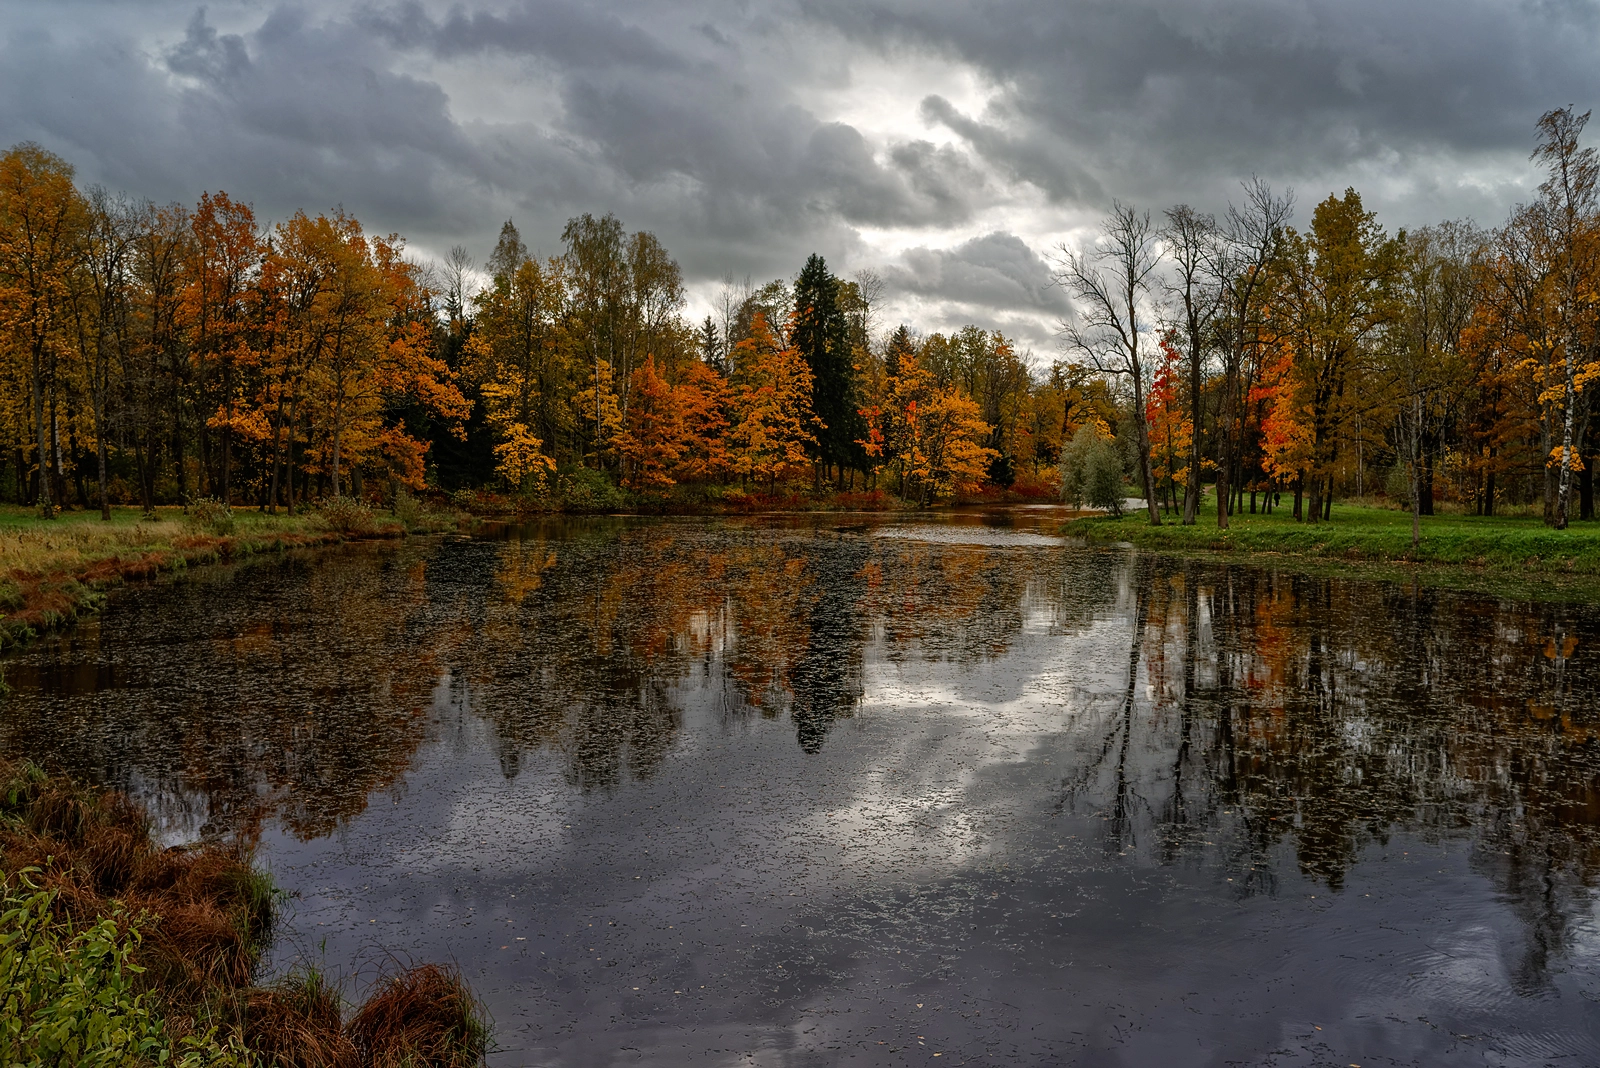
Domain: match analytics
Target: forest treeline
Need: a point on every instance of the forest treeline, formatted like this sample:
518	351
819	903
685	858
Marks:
158	354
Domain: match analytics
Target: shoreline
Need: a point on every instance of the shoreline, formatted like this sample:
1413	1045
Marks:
1515	557
55	572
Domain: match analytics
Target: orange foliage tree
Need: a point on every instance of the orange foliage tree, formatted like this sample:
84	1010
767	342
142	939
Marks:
771	399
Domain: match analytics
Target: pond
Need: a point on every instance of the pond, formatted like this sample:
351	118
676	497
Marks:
880	791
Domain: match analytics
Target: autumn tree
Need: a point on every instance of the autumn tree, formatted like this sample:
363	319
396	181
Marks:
772	425
100	307
1568	196
225	255
1196	294
1171	432
41	218
654	441
1334	298
1250	239
520	352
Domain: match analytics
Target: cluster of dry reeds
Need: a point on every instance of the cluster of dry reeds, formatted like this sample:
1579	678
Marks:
208	914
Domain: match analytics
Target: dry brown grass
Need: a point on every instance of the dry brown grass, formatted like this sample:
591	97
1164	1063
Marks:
208	916
298	1023
423	1017
213	909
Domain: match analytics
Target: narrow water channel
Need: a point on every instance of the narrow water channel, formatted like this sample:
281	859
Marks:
815	792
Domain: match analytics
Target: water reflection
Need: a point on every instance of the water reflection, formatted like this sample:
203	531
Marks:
973	698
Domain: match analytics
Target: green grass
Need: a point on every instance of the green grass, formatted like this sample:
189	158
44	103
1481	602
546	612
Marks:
1458	550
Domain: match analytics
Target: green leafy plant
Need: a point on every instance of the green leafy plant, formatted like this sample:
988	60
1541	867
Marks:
68	995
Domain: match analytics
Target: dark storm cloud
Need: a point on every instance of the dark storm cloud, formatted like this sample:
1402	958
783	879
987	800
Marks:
718	125
1159	98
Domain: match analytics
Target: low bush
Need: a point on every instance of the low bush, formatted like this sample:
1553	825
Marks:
417	516
347	515
210	516
583	489
421	1016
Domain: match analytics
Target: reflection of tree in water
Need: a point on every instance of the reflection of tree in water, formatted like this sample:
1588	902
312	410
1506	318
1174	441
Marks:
589	636
1326	714
293	689
826	680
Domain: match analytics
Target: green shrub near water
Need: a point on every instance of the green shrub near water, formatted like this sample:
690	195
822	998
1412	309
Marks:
347	515
68	994
211	516
583	489
1091	472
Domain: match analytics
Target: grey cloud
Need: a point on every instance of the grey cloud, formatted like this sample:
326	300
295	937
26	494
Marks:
572	34
996	271
700	122
1043	164
1155	98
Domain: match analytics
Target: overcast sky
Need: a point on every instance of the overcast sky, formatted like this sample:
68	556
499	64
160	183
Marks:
949	144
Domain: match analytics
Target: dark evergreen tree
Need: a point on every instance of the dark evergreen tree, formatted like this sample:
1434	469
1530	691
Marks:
711	347
821	333
900	352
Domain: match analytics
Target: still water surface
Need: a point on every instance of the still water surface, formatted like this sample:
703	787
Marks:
825	792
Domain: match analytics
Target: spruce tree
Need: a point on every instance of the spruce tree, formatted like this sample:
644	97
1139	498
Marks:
822	335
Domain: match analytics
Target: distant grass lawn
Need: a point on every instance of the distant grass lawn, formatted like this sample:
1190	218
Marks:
1364	534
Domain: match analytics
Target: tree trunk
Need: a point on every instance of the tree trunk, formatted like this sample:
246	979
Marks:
337	491
1586	488
1299	485
1425	484
1488	487
1564	492
1151	506
1416	503
46	507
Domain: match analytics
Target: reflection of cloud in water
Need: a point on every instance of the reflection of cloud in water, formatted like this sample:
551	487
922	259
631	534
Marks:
999	537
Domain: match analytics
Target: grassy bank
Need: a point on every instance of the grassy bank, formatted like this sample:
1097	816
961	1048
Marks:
114	951
53	571
1517	547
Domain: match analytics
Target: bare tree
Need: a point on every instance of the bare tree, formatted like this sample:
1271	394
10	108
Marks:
457	272
1570	192
1250	237
1110	286
1191	239
730	300
869	287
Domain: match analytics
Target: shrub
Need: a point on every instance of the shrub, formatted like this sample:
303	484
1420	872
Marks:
347	515
297	1021
210	515
68	994
416	515
1091	472
583	489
